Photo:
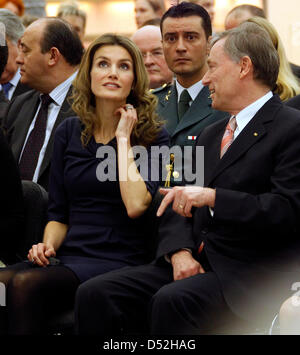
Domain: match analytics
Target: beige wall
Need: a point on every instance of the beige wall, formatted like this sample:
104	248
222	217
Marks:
286	18
118	16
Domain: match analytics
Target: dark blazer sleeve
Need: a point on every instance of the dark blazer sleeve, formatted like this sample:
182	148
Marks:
11	207
175	232
58	208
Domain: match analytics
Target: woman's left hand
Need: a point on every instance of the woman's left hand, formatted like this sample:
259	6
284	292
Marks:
127	121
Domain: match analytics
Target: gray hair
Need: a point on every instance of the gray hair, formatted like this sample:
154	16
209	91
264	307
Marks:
249	39
13	25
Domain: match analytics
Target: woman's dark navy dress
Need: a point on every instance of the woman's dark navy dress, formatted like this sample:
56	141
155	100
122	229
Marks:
101	237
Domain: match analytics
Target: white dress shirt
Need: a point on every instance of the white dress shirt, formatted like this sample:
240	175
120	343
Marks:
58	96
246	115
192	90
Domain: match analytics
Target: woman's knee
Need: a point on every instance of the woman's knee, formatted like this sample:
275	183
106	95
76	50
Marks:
23	283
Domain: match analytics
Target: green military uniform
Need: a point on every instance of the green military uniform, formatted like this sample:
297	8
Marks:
185	132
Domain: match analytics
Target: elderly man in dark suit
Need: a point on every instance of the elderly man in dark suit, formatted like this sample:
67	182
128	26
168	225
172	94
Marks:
233	245
11	85
50	52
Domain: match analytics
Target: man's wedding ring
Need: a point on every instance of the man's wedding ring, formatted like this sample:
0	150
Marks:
129	107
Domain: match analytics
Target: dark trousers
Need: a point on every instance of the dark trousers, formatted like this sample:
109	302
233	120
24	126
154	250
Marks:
145	299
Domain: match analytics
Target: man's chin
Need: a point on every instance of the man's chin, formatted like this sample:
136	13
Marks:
23	80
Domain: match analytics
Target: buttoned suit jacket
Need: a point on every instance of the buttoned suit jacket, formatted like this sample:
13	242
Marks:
252	240
18	119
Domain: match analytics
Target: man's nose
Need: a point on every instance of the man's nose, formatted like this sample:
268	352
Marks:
19	58
181	45
148	58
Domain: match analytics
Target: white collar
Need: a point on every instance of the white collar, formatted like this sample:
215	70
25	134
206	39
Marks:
192	90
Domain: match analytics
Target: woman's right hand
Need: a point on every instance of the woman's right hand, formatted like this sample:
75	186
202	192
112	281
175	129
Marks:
39	254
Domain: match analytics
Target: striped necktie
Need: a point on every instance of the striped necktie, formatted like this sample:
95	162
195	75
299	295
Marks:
228	135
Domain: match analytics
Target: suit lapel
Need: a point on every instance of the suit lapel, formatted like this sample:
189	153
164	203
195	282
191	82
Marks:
169	111
254	131
20	89
200	108
22	125
212	149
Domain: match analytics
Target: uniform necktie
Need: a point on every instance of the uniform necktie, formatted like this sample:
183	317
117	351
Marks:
228	135
183	104
6	88
35	141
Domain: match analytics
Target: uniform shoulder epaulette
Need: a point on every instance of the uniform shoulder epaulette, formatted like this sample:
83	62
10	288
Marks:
160	89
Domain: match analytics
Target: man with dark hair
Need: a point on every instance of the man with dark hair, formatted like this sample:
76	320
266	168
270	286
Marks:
50	52
242	13
233	246
186	105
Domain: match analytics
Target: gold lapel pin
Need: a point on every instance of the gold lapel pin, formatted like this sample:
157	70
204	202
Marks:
168	94
255	134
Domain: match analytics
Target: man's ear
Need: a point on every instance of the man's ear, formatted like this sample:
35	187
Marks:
246	66
54	55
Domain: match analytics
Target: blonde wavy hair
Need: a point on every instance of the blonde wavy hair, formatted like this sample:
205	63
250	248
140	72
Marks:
287	83
148	125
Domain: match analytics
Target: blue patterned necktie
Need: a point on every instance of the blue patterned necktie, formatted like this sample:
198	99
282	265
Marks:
6	88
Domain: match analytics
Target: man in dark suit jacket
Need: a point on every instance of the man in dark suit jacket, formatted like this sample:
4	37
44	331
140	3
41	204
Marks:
186	32
11	75
50	52
233	245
